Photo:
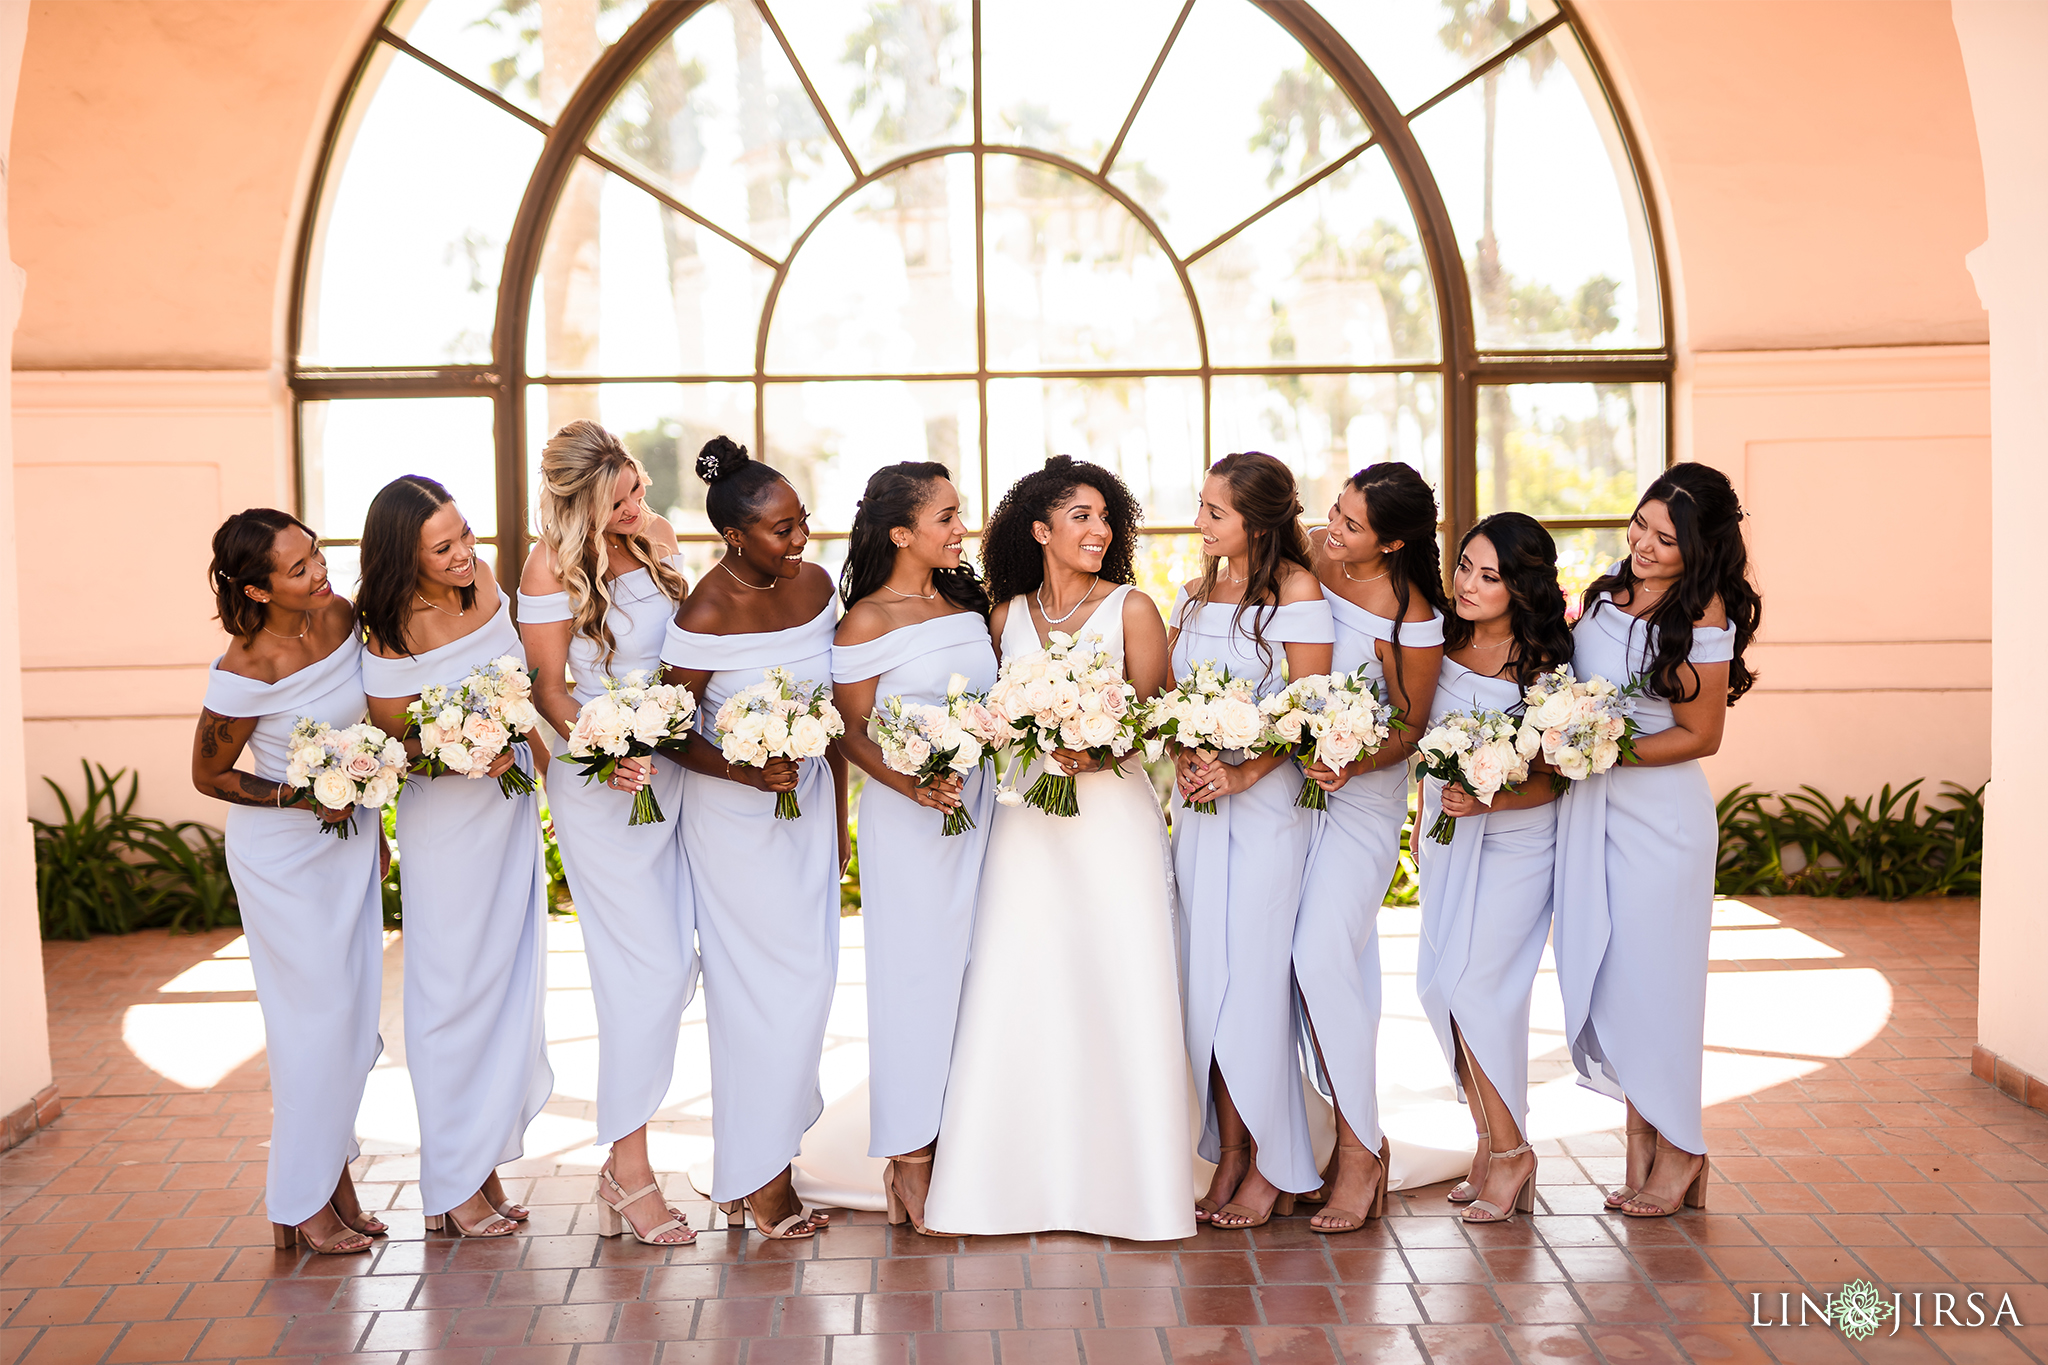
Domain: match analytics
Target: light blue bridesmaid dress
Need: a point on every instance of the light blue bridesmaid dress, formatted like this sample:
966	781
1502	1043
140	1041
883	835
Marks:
1351	860
1239	872
476	902
312	910
1635	898
917	885
630	883
767	896
1485	912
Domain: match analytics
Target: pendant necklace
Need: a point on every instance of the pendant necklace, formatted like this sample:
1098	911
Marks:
760	587
917	596
1345	569
302	630
443	610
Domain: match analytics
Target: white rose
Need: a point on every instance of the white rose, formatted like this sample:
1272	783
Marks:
809	736
379	790
1574	764
775	733
1009	796
333	790
455	758
650	725
1097	729
1605	754
1485	771
1239	724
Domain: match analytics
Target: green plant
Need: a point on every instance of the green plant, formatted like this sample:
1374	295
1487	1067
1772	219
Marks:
103	869
1406	888
1888	846
394	904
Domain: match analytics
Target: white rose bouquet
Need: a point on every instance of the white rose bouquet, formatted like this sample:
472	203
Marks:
1070	695
463	729
1330	719
636	716
777	717
930	742
1208	711
1581	728
1477	750
356	766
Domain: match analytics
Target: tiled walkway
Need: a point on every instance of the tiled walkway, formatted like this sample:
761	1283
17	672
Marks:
133	1232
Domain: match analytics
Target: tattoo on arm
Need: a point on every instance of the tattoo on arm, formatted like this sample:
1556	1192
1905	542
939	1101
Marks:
247	789
213	732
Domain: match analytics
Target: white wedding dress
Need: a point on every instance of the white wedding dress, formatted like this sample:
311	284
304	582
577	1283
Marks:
1068	1102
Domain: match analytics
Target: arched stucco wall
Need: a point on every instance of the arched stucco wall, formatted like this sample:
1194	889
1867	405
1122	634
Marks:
1815	162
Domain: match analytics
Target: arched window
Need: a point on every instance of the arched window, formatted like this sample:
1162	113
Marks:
850	232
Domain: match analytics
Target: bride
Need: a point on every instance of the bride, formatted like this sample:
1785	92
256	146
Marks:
1068	1099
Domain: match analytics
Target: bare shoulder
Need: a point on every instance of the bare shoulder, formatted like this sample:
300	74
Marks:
1419	608
1714	617
997	619
664	536
239	659
540	576
1299	585
865	620
1193	588
703	611
1142	612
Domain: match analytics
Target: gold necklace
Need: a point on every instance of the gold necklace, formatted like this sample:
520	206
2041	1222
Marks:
302	630
769	586
1345	569
443	610
920	596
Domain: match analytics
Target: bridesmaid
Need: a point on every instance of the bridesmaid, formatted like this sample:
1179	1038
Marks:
312	906
475	887
767	890
595	600
1486	895
1256	608
914	617
1380	573
1636	845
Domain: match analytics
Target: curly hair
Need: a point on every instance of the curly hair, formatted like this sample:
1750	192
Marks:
1528	570
736	483
1012	560
1707	516
895	494
578	467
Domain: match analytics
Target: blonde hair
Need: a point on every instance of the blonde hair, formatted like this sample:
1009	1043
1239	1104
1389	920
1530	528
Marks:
578	468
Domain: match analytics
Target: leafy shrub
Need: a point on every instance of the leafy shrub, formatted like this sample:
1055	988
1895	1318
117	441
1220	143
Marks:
103	869
1888	846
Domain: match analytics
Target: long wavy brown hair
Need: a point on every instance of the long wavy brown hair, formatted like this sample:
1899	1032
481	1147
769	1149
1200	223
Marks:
1262	490
579	466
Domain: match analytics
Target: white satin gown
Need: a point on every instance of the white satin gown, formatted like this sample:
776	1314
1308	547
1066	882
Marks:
475	894
1068	1102
917	884
1352	854
767	898
1635	898
312	910
630	883
1239	873
1485	912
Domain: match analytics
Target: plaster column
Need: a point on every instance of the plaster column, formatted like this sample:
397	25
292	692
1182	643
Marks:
27	1099
2003	43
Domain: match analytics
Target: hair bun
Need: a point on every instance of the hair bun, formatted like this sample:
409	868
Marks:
720	459
1059	462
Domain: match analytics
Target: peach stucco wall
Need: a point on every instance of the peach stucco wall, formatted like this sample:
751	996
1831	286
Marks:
1815	163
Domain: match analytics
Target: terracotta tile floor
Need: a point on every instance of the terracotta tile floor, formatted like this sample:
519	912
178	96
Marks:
133	1232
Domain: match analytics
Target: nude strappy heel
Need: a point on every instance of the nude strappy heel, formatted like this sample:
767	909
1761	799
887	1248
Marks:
795	1228
1622	1194
437	1222
1376	1207
1205	1207
899	1211
1695	1196
1465	1191
1523	1202
613	1222
1283	1207
286	1237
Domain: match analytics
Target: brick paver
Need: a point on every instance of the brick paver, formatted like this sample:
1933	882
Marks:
132	1232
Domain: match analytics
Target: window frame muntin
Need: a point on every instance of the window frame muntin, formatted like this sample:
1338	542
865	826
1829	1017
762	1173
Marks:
1462	365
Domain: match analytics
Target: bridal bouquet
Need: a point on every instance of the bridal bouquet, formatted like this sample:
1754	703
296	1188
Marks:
464	728
1209	711
777	717
1477	750
1070	695
929	742
356	766
635	716
1582	728
1329	719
